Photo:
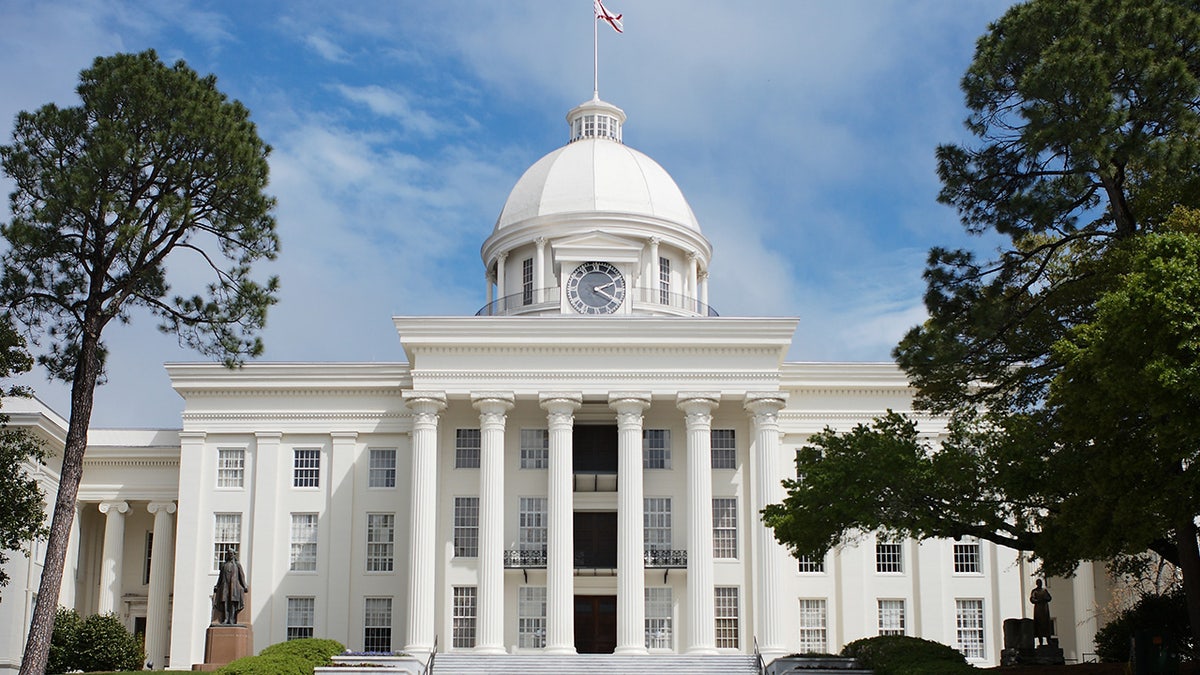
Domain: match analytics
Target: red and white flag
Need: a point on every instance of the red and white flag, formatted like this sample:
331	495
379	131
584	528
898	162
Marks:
613	20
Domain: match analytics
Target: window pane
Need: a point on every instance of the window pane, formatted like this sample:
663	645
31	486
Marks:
966	557
532	522
658	618
381	533
466	448
535	448
727	617
656	449
531	617
466	527
811	565
656	523
306	468
725	527
891	617
888	557
227	536
813	626
300	613
969	620
377	625
724	449
231	467
464	617
304	542
382	473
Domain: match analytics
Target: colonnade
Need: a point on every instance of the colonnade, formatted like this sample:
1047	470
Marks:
560	408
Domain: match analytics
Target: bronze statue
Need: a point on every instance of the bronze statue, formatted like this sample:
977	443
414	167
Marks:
1040	597
230	590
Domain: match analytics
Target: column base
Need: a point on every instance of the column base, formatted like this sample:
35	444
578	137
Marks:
637	651
560	649
490	649
702	651
419	652
769	654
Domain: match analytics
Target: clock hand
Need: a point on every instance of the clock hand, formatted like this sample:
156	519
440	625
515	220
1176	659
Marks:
600	290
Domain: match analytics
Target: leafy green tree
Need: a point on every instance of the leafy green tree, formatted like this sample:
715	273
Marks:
22	505
154	164
1062	361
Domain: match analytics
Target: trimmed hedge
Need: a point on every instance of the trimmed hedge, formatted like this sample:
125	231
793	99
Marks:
294	657
903	655
316	651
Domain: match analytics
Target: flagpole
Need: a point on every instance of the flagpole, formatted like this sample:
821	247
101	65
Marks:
595	56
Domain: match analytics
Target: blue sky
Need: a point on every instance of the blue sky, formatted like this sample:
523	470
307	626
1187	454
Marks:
801	131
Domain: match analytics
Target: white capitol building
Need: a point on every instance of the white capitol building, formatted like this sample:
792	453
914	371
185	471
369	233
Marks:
577	468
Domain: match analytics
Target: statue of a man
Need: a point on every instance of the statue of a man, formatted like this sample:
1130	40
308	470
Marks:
1040	597
230	589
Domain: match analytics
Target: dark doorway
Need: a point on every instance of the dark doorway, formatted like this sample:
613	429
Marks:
595	624
596	540
594	448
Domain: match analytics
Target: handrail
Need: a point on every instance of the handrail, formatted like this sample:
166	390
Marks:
544	298
433	653
762	666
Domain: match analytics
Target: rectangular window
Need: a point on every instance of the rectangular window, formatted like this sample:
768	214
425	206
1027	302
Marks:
466	527
227	536
656	523
813	621
382	471
466	448
724	527
968	615
966	557
146	560
535	448
656	449
532	523
304	542
300	612
464	617
527	281
891	617
531	617
809	565
377	625
381	537
231	467
726	617
724	449
658	618
664	281
888	557
306	467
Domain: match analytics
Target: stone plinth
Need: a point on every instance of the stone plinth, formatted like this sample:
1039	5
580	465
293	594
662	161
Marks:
224	645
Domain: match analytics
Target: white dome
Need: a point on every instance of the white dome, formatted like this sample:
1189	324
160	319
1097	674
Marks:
596	175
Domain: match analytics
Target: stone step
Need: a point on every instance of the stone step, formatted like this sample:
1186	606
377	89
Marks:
593	664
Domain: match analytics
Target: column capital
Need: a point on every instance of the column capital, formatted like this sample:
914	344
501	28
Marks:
194	436
268	435
156	507
120	507
633	399
434	399
765	403
343	435
697	401
540	242
492	401
560	401
655	241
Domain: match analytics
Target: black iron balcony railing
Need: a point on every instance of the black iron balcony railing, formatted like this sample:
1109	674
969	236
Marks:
662	558
536	559
525	558
546	298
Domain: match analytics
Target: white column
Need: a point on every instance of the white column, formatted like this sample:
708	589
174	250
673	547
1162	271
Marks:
266	542
655	282
704	291
339	520
1083	591
191	606
764	410
631	568
691	278
114	550
493	407
490	294
162	563
560	520
501	288
425	406
701	626
539	270
67	596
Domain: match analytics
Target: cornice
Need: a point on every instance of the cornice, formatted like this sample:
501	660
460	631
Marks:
131	463
228	391
298	416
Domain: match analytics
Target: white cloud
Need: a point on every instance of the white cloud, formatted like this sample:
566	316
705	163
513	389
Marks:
326	48
393	104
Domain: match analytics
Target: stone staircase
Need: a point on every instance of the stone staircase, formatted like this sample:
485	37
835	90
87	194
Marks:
593	664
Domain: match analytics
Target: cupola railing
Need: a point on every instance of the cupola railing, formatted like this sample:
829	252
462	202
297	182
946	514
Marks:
536	301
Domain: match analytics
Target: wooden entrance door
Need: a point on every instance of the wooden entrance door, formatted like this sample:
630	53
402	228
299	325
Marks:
595	624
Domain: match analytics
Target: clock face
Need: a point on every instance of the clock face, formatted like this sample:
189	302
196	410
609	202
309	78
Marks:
596	288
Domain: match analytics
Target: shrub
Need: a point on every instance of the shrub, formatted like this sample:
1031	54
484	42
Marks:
903	655
103	643
276	664
67	623
1164	615
314	651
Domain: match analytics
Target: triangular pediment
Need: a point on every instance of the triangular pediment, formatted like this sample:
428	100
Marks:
597	245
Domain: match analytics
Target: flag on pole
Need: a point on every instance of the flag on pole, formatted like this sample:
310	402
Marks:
613	20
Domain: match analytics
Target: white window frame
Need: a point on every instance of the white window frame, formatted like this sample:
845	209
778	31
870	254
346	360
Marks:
968	557
532	523
303	554
535	448
889	557
664	280
892	614
726	612
807	565
660	618
301	617
381	469
306	467
656	448
231	468
466	527
531	617
723	447
969	628
468	447
465	616
656	524
227	536
377	625
527	281
725	528
814	626
381	542
147	562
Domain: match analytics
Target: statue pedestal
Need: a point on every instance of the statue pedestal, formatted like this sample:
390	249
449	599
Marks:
224	645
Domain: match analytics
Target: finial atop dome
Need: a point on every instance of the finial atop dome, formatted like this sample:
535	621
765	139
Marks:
596	119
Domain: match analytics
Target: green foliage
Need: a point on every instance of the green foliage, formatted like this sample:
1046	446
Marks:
64	641
1164	615
315	651
298	657
98	643
904	655
22	505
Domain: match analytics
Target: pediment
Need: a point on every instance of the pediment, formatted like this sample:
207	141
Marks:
596	245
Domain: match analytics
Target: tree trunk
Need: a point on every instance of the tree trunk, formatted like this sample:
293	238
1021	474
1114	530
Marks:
83	391
1189	564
